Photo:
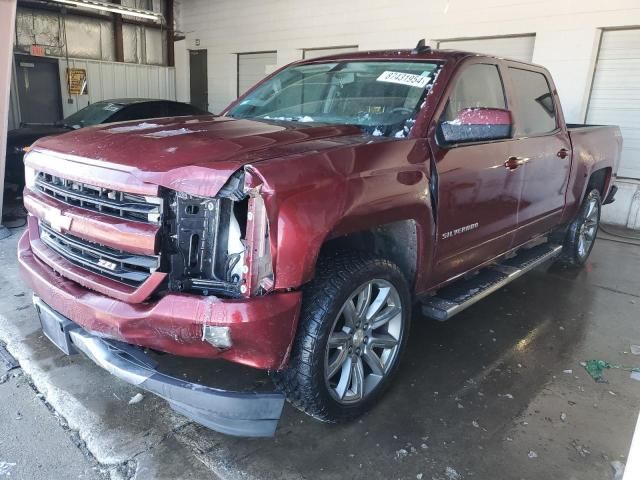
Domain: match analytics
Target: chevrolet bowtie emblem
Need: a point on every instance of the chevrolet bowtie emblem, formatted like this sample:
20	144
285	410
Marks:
58	220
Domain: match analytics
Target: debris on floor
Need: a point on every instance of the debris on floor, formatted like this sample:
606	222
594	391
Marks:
402	453
532	454
582	451
596	368
618	469
5	468
137	398
452	474
635	349
7	362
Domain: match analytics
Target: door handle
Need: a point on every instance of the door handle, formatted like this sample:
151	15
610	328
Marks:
564	153
514	162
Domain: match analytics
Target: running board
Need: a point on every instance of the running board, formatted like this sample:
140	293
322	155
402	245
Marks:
462	294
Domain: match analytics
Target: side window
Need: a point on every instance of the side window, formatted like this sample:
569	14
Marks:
536	112
479	86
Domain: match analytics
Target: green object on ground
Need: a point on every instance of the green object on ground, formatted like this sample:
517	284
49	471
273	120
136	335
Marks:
596	368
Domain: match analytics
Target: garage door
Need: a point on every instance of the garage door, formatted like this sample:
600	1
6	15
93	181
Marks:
321	52
615	94
517	47
253	67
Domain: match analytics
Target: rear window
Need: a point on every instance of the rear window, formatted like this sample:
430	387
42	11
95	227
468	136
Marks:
536	112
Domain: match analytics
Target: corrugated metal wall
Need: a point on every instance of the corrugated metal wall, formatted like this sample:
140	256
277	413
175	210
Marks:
108	80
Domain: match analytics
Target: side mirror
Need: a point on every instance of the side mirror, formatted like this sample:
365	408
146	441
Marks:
477	124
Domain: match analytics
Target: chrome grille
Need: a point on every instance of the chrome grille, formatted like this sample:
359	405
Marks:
110	202
121	266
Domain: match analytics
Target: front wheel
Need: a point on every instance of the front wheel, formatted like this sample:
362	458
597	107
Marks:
581	234
352	330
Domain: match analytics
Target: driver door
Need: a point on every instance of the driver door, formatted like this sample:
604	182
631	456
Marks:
478	189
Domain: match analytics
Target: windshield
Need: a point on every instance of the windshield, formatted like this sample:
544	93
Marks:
93	114
380	97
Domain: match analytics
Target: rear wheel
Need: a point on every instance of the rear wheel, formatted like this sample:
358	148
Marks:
352	331
581	234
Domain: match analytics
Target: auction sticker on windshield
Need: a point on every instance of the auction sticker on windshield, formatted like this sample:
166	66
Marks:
409	79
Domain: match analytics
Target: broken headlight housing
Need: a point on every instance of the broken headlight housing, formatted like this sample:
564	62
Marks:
219	246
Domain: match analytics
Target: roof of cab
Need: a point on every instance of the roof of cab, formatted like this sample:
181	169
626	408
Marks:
405	54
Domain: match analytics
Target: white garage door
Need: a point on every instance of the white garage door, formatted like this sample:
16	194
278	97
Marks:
253	67
615	95
517	47
321	52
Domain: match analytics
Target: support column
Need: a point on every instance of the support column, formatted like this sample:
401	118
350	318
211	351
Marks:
7	23
117	35
171	62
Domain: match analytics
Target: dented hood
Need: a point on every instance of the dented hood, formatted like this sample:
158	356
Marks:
191	154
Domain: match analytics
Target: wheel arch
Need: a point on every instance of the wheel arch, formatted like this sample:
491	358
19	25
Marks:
601	180
396	241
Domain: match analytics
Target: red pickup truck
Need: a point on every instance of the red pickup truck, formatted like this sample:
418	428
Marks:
294	232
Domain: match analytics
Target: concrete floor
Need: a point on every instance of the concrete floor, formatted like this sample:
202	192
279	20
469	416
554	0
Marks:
30	430
483	396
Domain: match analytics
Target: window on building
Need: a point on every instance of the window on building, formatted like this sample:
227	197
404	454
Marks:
536	112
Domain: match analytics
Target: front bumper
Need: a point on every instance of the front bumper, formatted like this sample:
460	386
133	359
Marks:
261	328
234	413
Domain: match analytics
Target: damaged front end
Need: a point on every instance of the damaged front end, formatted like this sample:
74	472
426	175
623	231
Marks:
248	414
209	292
218	246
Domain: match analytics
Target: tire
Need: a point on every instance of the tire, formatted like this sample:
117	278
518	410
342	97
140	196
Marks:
581	234
314	382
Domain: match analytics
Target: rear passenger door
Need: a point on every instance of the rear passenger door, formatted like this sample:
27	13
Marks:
477	195
543	146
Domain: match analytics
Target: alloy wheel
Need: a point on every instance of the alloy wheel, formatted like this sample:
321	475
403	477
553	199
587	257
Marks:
589	228
364	342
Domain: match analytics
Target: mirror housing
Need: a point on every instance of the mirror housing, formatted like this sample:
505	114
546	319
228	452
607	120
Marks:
477	124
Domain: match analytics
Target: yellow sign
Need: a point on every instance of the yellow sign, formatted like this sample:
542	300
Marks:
77	81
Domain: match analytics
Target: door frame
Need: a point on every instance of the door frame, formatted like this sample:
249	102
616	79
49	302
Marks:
17	57
206	75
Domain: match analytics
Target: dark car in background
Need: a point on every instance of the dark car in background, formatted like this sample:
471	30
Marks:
106	111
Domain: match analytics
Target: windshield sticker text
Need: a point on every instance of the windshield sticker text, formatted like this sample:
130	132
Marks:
400	78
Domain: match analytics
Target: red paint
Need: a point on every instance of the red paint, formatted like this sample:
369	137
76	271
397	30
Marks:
260	327
89	279
318	182
134	237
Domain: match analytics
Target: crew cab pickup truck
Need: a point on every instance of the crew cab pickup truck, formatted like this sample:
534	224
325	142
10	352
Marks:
294	232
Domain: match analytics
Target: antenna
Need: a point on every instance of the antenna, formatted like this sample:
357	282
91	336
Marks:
421	47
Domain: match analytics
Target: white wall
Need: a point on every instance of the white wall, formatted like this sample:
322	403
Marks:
567	32
181	56
567	38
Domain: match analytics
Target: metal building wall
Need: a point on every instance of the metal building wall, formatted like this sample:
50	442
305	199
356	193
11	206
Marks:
89	44
108	80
